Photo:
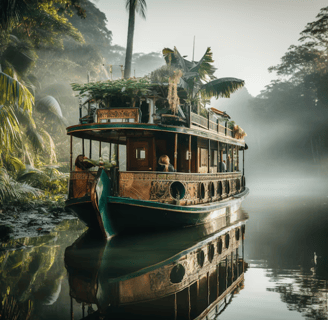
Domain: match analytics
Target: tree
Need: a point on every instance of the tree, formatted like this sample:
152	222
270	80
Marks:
132	6
198	77
307	63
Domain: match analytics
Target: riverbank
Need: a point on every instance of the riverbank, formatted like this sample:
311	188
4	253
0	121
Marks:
31	220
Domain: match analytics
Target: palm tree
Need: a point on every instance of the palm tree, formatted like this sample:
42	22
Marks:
132	6
198	77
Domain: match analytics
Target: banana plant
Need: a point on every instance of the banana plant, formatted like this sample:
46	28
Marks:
198	77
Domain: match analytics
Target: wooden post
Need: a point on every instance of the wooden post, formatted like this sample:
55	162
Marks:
209	156
208	120
208	288
71	154
176	151
83	147
225	128
90	150
189	155
243	162
189	116
237	158
219	158
232	159
99	149
117	155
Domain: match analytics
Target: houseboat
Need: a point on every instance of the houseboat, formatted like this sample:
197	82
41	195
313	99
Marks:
177	274
148	163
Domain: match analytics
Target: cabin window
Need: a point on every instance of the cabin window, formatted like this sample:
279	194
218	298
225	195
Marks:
140	153
214	158
204	157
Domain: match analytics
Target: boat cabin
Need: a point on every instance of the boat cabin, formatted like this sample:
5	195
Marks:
127	137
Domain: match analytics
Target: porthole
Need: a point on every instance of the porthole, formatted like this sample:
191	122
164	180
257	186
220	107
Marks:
201	191
177	190
220	246
177	273
227	241
211	189
219	191
210	252
200	258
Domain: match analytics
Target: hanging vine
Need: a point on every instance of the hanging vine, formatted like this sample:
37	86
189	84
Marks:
172	96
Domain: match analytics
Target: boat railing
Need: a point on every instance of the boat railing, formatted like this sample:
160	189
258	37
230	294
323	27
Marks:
207	123
81	183
118	115
181	188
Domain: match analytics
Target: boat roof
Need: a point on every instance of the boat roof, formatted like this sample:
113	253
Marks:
118	132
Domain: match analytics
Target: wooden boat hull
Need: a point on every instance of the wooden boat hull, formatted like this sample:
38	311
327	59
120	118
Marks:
115	215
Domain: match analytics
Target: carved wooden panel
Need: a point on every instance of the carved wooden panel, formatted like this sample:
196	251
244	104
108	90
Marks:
119	113
156	186
82	182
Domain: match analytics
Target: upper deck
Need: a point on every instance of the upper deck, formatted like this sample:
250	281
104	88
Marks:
116	124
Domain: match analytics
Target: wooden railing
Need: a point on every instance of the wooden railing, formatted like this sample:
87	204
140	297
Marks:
187	188
199	120
118	115
211	125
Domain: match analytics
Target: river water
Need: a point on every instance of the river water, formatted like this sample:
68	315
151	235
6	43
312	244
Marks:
285	274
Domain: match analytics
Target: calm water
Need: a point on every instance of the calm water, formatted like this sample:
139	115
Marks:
285	247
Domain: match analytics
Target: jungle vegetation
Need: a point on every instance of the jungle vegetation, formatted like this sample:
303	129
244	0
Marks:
46	46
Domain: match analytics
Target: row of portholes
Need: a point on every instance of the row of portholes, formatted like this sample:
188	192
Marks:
178	190
178	271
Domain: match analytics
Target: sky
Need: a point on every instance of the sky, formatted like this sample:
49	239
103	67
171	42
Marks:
246	36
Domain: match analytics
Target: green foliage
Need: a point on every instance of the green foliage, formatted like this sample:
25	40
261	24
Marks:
11	189
305	65
122	87
43	22
197	75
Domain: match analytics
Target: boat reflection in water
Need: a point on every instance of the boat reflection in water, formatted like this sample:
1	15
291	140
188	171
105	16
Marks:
183	274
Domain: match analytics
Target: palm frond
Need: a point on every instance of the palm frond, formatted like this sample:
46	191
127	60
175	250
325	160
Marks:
204	66
49	104
32	175
12	91
14	162
35	138
24	117
222	87
6	190
23	189
11	189
139	6
9	127
50	107
51	146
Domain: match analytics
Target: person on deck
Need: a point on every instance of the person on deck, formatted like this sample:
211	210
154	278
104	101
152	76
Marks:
222	166
229	164
81	164
164	164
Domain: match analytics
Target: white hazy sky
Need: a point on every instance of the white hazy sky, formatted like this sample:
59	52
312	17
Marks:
246	36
